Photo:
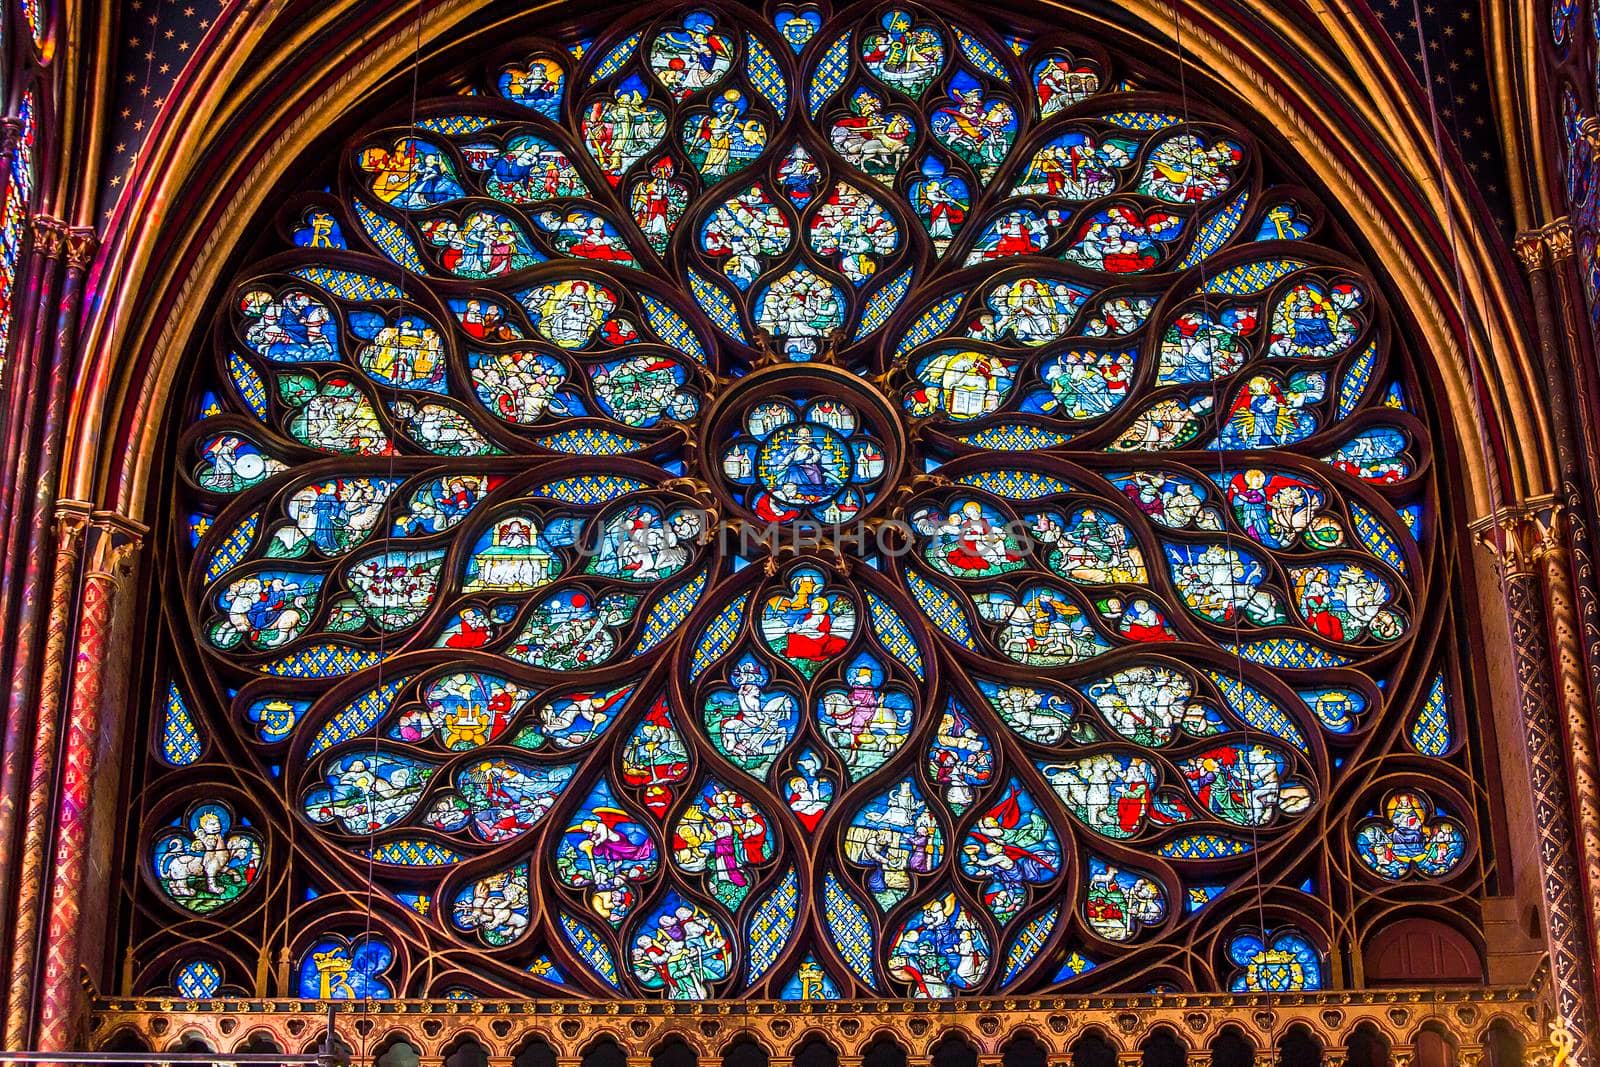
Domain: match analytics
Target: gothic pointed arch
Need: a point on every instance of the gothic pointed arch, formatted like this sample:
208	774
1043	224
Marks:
887	501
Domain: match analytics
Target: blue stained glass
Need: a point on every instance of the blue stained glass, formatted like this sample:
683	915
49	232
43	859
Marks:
1259	710
1410	838
348	283
891	631
1289	652
766	75
590	488
634	367
851	929
590	441
321	230
668	613
1076	965
614	60
197	979
413	852
810	982
717	304
942	609
275	717
771	925
249	385
544	967
1353	386
719	637
931	324
455	125
1432	732
672	328
1028	943
1283	222
981	57
1204	847
1252	277
1337	709
1282	962
1142	120
829	76
389	236
1016	484
591	949
1216	231
1376	537
357	717
233	548
180	737
339	968
883	304
328	660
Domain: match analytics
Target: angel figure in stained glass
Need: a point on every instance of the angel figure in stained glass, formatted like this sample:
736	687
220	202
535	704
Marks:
1011	848
1266	415
687	60
725	141
608	853
808	791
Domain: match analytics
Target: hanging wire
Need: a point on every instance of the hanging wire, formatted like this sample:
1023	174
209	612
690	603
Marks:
1469	348
388	539
1218	401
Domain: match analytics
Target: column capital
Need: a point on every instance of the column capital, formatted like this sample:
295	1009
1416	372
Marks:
1521	536
116	541
49	235
1529	246
1558	239
82	244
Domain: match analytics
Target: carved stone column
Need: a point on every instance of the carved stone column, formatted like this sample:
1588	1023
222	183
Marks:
20	569
72	519
40	635
113	545
1519	540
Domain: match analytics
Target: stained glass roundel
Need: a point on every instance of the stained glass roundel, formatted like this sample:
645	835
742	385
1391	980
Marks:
806	505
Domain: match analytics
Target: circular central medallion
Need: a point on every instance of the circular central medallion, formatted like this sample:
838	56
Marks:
811	442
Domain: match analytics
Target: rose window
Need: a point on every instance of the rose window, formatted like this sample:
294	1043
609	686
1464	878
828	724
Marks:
807	505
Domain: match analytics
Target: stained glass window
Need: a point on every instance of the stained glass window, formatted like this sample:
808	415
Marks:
807	507
14	222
